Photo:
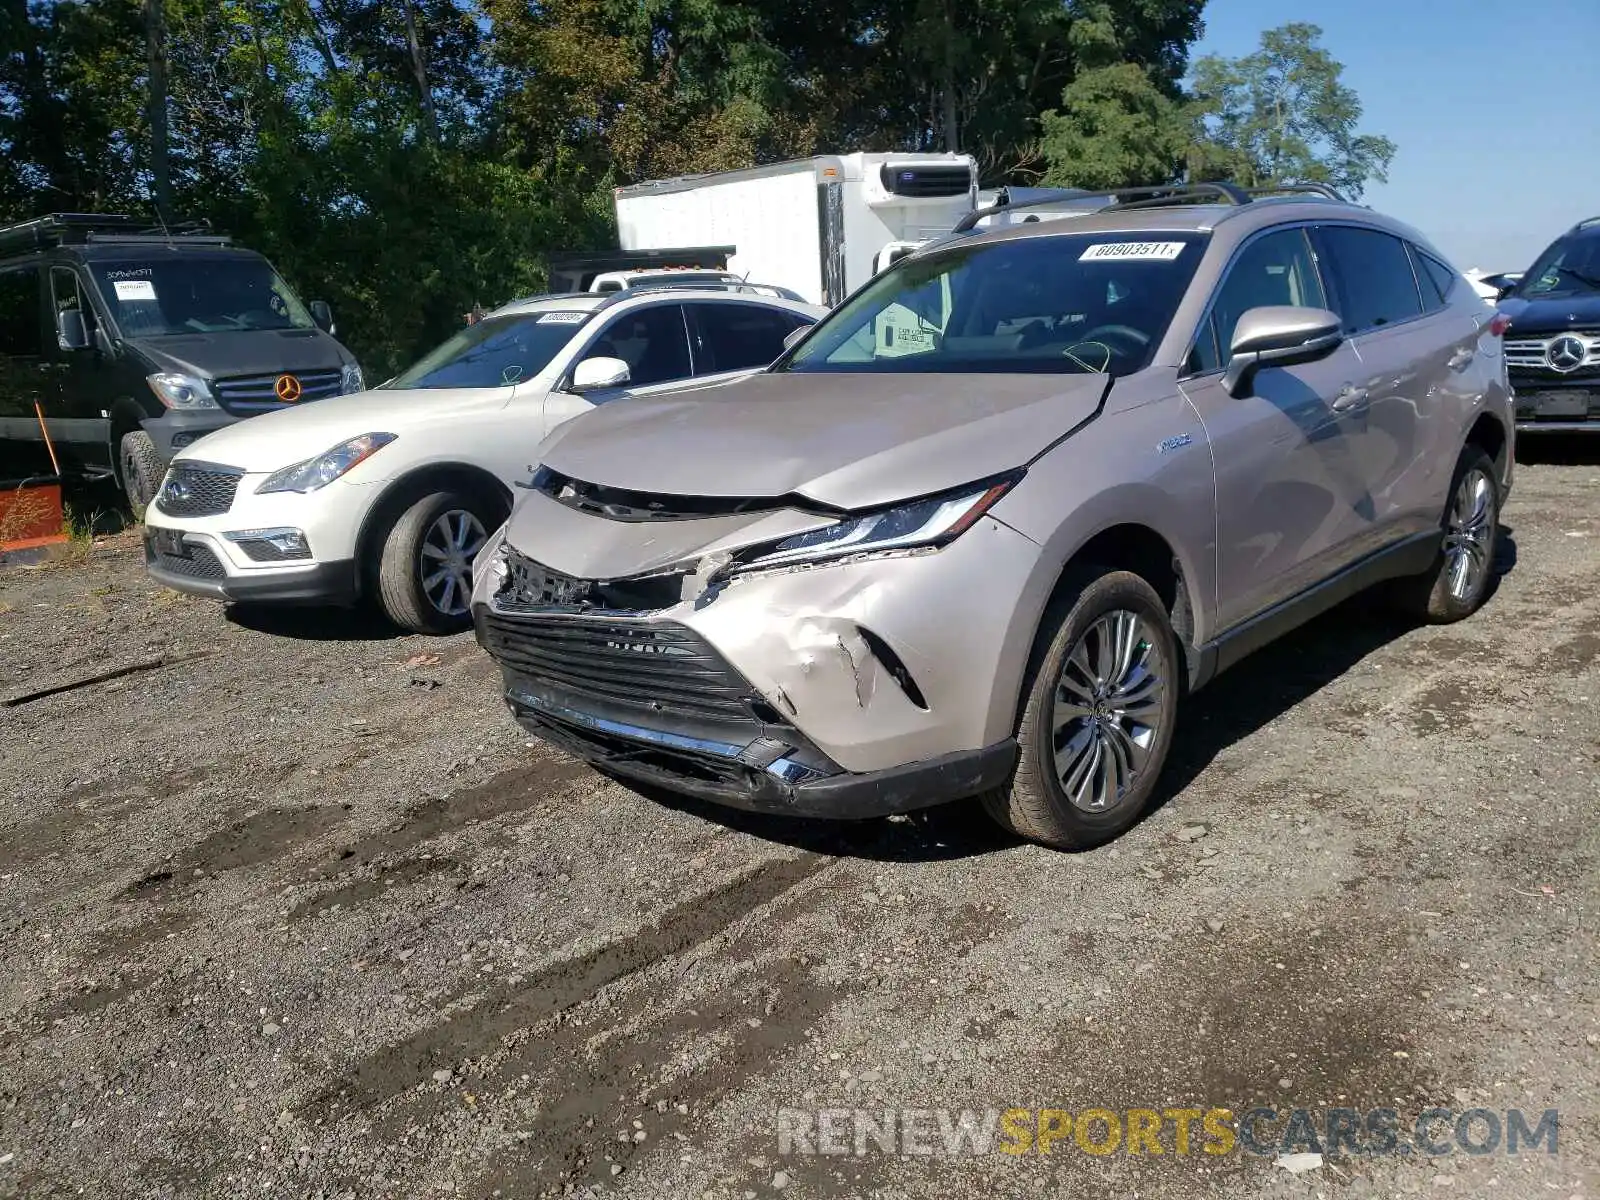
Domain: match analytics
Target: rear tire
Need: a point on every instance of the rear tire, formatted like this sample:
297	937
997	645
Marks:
1457	583
142	468
1099	714
425	561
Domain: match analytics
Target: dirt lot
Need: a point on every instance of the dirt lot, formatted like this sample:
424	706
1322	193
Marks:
301	913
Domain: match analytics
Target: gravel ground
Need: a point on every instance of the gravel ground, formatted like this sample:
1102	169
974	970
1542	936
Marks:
294	909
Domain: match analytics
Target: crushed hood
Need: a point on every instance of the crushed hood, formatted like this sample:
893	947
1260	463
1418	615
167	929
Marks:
851	441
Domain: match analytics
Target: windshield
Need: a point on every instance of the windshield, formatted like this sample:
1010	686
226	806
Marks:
1571	267
494	353
198	294
1077	303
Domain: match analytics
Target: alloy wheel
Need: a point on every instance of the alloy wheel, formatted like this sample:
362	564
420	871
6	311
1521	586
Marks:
1107	710
452	542
1469	534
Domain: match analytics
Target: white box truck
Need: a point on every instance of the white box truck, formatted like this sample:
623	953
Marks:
814	225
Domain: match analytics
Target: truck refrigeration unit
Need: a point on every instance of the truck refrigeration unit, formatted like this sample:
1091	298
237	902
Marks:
814	225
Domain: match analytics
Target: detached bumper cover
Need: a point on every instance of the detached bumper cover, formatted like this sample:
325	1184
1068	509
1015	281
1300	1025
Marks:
609	697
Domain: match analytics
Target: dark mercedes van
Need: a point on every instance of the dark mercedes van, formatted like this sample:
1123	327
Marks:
119	345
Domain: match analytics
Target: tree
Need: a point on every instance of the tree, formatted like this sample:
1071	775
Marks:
1121	119
1281	115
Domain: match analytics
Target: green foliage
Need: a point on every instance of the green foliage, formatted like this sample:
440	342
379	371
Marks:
1281	115
408	159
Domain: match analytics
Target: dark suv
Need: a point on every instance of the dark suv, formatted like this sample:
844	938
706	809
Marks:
119	346
1553	340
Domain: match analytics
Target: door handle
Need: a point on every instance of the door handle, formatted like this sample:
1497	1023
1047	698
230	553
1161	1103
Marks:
1462	359
1351	399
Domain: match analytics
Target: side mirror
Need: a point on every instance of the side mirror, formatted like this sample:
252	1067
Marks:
72	333
794	335
322	315
1504	290
1278	336
595	374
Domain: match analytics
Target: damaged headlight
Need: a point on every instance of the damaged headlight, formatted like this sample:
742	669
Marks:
933	521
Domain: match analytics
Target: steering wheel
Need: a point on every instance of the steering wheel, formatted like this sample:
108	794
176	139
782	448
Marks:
1123	333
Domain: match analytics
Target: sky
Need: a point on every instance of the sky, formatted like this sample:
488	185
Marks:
1494	107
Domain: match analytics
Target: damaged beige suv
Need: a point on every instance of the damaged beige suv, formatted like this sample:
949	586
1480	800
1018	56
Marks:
979	531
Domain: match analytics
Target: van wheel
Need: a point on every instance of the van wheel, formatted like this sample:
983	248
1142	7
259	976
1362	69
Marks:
1455	586
1098	719
142	469
424	569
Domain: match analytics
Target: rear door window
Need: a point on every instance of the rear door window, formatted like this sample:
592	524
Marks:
1375	284
736	337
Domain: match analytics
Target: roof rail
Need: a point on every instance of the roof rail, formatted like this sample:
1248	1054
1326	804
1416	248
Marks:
1297	189
1121	198
1585	223
76	229
711	285
1159	196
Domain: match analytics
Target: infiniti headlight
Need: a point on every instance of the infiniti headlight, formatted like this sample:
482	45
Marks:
931	522
322	470
181	391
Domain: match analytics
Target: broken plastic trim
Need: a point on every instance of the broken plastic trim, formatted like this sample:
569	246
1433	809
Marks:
622	504
895	665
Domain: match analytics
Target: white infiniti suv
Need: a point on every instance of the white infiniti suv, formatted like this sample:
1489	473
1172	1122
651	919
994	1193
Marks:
388	494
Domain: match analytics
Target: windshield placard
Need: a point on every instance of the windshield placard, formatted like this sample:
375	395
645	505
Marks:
1132	252
135	289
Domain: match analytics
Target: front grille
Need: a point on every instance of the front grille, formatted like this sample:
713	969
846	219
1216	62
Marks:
953	179
1533	353
245	394
196	561
197	492
533	586
663	667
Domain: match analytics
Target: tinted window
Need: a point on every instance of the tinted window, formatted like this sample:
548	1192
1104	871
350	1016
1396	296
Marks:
1277	268
1072	304
652	341
734	337
19	314
495	352
1570	267
1443	278
1376	286
198	294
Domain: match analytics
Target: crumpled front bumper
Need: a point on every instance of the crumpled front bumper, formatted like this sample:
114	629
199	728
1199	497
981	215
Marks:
855	689
737	774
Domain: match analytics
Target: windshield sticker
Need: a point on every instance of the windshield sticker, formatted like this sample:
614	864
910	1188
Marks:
135	289
562	318
1127	251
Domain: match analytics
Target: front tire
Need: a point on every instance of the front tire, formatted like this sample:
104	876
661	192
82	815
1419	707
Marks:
1098	719
142	469
424	568
1457	584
